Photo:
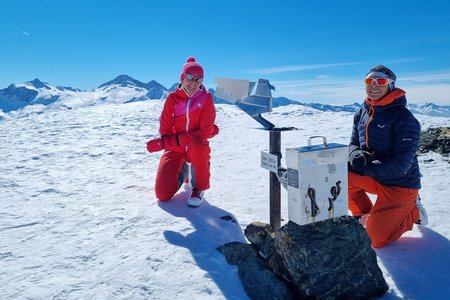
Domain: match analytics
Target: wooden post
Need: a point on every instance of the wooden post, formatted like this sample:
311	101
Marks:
275	185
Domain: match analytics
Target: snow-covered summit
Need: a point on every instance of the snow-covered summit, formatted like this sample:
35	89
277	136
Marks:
124	81
36	83
153	84
154	90
17	96
121	89
430	109
124	89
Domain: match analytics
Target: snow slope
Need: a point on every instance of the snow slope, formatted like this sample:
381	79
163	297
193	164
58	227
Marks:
79	219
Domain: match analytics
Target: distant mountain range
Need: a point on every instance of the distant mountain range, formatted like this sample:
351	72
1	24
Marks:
124	88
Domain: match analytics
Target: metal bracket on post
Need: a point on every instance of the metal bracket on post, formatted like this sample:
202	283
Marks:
275	182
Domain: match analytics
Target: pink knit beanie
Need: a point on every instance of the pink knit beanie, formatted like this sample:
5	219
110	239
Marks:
191	67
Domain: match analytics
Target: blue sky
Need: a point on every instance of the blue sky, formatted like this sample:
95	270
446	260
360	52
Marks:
312	51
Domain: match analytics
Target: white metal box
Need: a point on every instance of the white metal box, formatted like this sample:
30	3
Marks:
317	182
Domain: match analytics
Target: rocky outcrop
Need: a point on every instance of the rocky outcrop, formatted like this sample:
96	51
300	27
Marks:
332	259
259	281
436	140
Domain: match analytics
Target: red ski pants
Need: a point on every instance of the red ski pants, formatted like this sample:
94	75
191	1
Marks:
170	164
393	213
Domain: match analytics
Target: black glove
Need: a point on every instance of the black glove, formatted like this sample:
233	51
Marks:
351	169
358	160
168	141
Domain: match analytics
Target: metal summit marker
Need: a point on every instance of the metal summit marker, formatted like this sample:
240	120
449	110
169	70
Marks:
239	92
316	175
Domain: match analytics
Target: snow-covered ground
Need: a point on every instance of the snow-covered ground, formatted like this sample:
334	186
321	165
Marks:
79	219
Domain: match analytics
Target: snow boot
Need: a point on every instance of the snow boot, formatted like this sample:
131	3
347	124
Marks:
197	197
423	216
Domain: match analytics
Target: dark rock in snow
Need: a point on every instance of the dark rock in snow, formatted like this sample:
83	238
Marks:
258	280
436	140
257	233
332	259
67	88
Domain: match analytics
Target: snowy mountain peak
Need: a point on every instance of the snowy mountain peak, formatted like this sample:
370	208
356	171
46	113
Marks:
430	109
124	80
124	88
36	83
173	87
154	84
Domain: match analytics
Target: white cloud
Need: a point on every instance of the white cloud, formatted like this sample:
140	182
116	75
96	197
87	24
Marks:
323	90
436	93
24	33
431	86
282	69
402	61
426	77
424	87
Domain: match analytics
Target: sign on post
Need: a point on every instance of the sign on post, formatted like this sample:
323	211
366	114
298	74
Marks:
269	162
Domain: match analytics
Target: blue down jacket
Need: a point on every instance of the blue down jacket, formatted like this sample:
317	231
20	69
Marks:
390	132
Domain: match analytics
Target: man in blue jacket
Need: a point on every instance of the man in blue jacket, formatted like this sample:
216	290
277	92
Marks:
383	161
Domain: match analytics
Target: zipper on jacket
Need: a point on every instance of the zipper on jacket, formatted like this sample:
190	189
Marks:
371	113
187	114
187	117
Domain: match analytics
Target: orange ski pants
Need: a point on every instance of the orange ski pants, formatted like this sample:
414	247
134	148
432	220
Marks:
393	213
167	183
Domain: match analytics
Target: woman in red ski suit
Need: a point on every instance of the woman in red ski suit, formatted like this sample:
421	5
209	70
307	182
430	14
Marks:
383	161
186	124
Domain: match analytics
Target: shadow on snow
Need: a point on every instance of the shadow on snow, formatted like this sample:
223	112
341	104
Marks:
419	266
212	227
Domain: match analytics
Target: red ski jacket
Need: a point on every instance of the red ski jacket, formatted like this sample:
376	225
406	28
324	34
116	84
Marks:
195	115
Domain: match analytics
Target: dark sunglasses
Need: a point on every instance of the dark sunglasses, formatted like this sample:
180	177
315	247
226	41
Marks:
194	78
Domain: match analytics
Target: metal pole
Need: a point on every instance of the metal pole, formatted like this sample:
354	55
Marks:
275	186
